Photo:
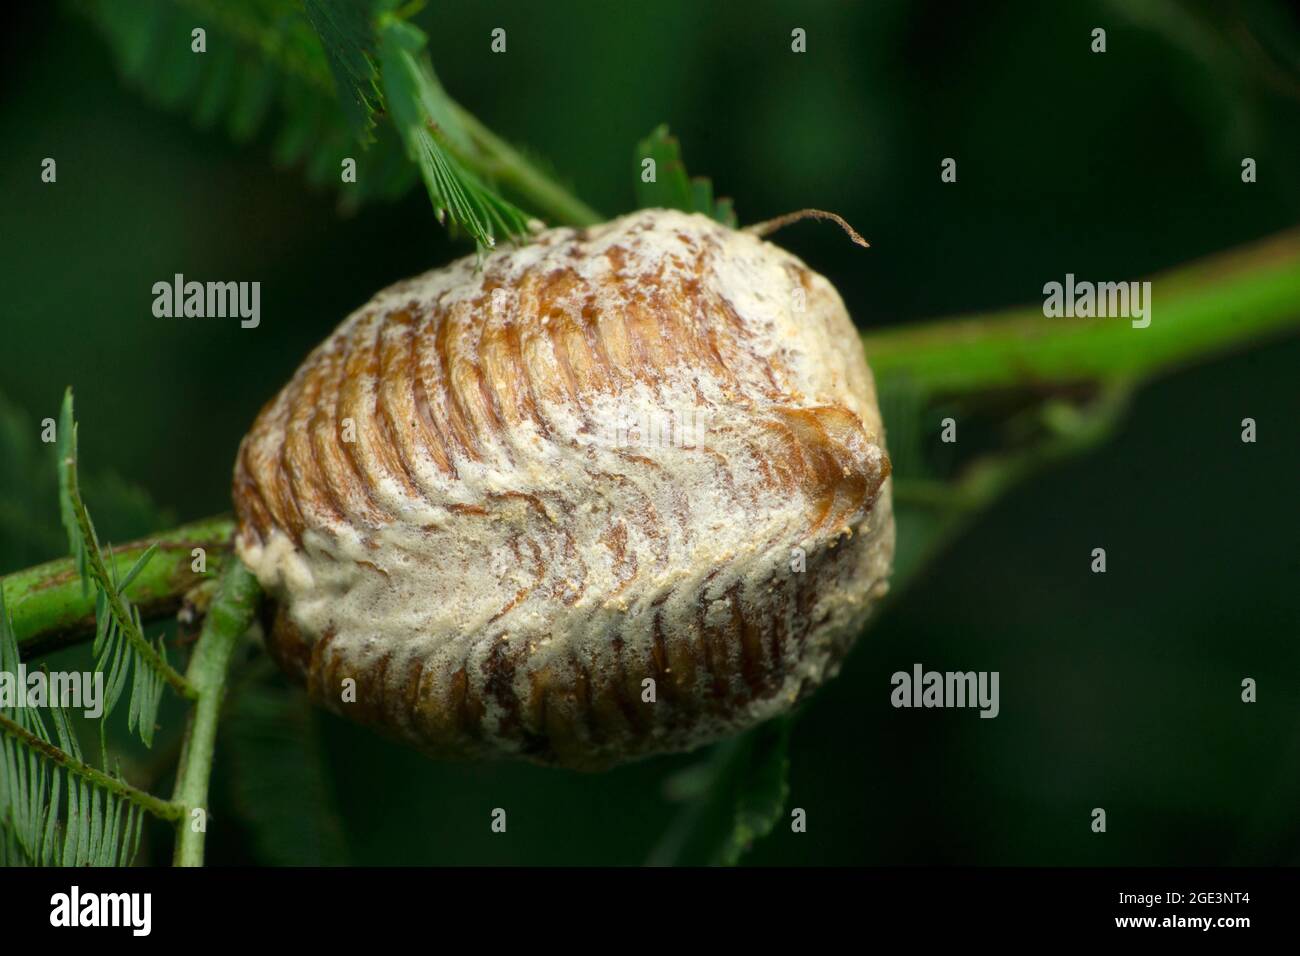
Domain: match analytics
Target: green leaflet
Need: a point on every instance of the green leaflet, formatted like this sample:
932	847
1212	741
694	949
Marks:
346	30
671	188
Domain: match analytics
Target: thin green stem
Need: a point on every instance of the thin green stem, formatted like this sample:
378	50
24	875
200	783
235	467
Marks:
229	617
51	609
1198	310
166	810
948	507
987	480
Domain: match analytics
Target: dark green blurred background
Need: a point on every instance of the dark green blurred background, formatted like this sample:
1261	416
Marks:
1118	691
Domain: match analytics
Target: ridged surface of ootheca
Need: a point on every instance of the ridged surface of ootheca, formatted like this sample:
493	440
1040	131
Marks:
504	499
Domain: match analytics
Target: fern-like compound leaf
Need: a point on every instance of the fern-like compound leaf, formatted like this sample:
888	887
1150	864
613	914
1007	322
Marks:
265	67
100	828
120	645
326	70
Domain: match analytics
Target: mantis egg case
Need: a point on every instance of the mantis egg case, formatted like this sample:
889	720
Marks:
619	491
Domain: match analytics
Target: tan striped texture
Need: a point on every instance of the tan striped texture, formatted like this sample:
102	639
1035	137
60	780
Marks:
619	491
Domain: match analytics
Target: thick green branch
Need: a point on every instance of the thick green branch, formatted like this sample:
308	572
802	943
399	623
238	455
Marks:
51	609
1205	308
97	778
229	617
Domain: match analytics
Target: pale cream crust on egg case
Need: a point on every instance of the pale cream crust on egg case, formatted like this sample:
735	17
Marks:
502	496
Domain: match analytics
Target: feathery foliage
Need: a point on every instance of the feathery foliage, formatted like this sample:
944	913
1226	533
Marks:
100	823
101	826
424	119
121	648
331	68
263	59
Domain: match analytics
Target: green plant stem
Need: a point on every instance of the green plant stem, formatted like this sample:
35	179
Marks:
500	161
229	617
160	808
1202	309
51	609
